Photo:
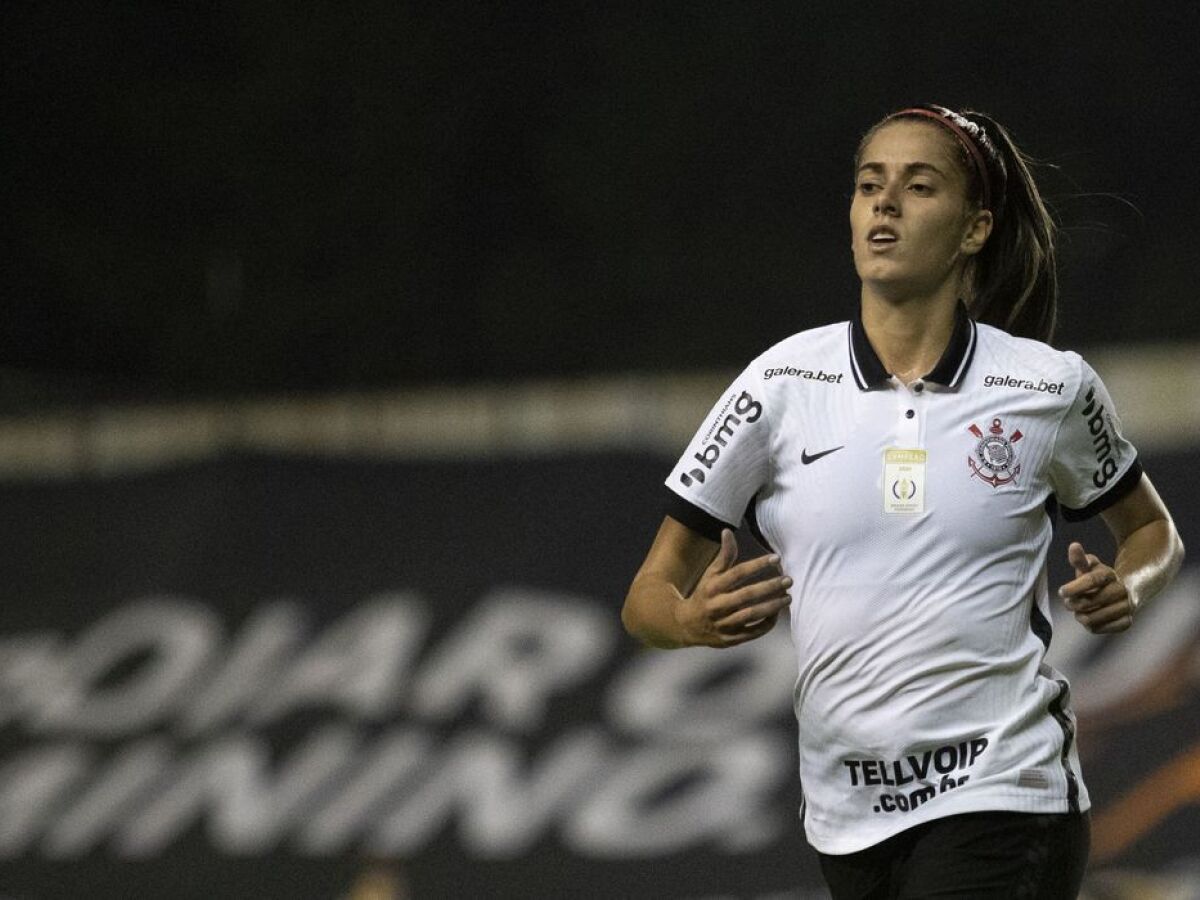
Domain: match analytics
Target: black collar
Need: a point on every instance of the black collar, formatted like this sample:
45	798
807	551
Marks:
869	372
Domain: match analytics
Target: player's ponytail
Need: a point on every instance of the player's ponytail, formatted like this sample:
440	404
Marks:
1015	277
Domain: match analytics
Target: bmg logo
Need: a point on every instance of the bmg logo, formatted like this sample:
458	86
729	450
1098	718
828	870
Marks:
1097	423
745	410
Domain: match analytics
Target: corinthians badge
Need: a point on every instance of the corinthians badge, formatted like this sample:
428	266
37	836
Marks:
994	460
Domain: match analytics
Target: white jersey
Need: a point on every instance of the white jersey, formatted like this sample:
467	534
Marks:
915	521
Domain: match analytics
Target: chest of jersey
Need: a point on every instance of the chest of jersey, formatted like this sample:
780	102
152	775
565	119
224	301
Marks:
858	473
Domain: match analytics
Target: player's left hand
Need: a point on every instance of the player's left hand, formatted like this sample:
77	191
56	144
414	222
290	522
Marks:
1097	596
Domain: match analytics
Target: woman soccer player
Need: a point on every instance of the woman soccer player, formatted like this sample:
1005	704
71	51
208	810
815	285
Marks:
905	468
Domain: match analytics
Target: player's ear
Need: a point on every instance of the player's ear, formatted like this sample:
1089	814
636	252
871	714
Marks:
978	230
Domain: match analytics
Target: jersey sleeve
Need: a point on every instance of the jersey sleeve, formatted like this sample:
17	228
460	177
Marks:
1093	465
725	464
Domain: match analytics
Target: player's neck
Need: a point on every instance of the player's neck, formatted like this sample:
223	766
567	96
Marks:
909	335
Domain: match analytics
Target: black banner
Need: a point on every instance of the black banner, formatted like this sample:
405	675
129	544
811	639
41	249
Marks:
271	677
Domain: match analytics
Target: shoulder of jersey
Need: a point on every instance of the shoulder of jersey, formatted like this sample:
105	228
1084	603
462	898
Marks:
1024	357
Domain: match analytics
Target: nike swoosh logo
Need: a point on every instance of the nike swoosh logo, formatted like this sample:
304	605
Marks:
806	459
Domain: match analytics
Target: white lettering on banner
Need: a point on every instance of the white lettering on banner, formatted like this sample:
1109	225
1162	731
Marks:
395	758
25	663
468	751
101	808
726	791
32	787
702	695
180	635
249	810
356	666
267	641
515	650
502	811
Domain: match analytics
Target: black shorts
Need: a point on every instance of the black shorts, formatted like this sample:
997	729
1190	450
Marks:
1001	855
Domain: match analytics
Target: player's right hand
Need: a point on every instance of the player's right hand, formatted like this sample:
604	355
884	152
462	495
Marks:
734	602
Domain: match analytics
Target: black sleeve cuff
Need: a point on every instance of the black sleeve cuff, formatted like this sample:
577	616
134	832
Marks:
694	517
1125	484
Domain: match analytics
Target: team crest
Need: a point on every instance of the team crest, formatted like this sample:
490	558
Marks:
994	459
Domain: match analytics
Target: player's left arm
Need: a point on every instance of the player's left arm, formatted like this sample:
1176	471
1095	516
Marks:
1106	599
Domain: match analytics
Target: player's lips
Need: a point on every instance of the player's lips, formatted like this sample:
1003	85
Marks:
882	234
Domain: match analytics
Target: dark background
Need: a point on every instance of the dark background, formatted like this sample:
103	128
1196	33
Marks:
208	199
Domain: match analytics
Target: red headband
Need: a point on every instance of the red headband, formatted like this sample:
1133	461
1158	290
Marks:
963	138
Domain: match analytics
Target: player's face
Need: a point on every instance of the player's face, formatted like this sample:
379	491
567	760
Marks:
912	228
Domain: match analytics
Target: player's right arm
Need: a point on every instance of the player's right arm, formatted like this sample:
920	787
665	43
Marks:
691	591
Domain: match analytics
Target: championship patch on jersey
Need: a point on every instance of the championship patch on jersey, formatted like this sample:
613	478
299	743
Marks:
904	481
994	460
